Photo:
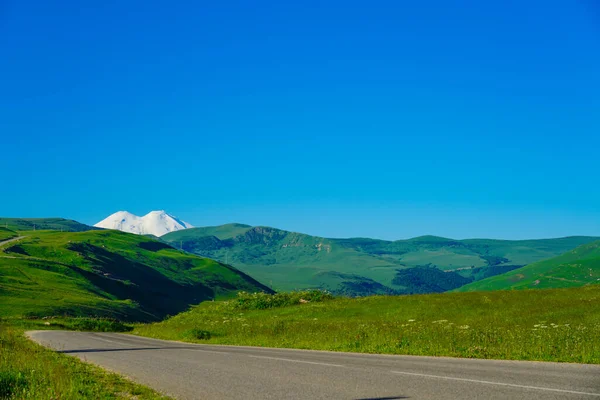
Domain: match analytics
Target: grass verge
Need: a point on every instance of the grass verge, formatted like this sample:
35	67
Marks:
68	324
30	371
544	325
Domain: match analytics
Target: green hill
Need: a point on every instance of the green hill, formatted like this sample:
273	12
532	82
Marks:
578	267
6	234
221	232
57	224
362	266
108	273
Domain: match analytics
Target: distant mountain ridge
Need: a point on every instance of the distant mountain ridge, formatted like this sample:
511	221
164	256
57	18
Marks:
58	224
363	266
157	223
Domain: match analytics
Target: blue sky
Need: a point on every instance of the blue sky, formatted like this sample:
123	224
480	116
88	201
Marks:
386	119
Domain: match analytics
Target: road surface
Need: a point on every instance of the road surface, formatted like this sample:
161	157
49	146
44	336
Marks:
189	371
7	241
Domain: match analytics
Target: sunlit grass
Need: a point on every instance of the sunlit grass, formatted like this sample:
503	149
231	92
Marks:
546	325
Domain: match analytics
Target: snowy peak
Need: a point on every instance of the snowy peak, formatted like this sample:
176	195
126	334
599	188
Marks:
156	223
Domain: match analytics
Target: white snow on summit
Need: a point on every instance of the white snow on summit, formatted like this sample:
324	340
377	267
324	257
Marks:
156	223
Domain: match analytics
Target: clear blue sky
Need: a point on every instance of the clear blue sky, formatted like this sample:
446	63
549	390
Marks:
385	119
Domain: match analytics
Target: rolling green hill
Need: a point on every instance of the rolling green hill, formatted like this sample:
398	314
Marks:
57	224
578	267
108	273
362	266
6	234
221	232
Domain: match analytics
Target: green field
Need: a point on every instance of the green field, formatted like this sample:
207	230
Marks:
361	266
544	325
575	268
109	274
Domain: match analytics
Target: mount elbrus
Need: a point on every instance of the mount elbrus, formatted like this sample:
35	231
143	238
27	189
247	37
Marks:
155	223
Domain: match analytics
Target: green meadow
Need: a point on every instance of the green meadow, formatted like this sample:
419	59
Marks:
541	325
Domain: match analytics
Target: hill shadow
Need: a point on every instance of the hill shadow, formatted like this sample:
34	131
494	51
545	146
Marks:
131	280
154	246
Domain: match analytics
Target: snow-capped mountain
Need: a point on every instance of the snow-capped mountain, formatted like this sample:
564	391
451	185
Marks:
156	223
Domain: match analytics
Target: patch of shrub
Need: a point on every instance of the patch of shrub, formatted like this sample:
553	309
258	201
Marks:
97	325
199	334
428	279
263	301
10	382
154	246
16	249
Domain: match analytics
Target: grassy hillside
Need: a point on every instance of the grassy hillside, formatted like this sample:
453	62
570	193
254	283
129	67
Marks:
6	234
57	224
578	267
362	266
108	273
545	325
221	232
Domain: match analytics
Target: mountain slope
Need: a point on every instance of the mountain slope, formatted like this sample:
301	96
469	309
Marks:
221	232
29	224
155	223
108	273
362	266
578	267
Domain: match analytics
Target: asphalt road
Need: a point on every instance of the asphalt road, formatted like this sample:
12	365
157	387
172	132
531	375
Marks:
188	371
